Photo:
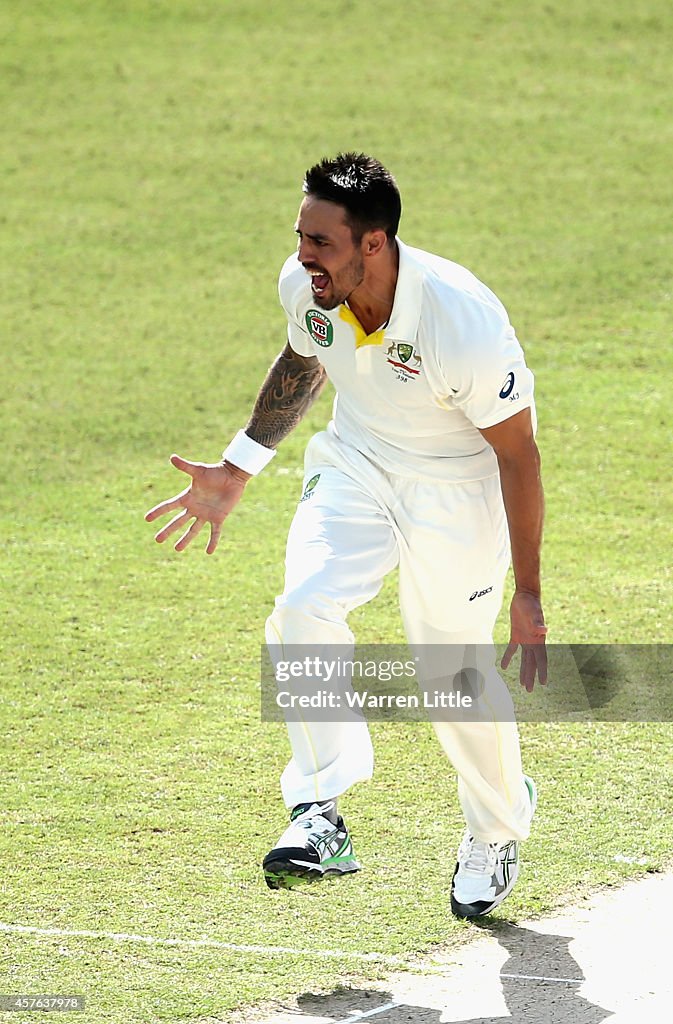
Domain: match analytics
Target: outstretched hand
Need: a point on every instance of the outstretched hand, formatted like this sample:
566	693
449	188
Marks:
212	494
528	633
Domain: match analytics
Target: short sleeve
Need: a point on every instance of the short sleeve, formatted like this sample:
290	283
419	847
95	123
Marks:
298	339
289	291
488	378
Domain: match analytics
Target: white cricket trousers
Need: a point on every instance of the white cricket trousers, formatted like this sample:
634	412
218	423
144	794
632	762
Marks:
450	541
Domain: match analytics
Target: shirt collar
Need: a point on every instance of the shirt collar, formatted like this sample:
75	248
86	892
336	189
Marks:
406	314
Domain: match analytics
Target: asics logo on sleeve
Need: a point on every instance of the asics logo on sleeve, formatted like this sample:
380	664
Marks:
507	386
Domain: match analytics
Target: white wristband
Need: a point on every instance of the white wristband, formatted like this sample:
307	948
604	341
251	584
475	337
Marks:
248	455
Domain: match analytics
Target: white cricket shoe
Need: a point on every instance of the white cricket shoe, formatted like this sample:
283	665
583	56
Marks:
311	848
486	872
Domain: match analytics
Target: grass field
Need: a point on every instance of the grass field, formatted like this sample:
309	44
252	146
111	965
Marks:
153	159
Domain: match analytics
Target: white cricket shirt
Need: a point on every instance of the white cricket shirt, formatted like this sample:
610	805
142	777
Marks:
411	396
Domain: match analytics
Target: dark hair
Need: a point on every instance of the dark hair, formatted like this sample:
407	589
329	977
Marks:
363	186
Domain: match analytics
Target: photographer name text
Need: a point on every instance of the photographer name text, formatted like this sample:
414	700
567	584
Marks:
327	699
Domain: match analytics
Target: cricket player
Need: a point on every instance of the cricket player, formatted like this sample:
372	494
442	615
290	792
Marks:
429	463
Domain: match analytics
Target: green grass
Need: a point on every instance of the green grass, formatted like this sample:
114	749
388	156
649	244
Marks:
154	153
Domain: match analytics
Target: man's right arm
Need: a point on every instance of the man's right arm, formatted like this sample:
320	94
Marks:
291	385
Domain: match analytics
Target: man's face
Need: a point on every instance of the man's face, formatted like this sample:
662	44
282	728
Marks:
327	252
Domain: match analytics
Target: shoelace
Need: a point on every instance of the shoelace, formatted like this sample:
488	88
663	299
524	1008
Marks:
477	856
316	823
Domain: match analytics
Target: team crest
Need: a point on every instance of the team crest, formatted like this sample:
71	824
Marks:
320	328
310	487
404	354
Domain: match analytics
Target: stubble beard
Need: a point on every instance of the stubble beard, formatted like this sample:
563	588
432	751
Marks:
349	279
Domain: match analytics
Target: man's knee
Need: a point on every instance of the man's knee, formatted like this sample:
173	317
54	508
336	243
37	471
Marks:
307	615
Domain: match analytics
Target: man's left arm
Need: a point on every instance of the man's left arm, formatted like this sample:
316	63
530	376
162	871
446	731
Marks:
514	444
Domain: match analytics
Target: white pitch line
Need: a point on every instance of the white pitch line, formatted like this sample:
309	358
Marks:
541	977
366	1014
232	947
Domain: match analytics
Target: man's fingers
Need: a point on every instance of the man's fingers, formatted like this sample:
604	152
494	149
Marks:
177	501
165	506
191	533
527	671
509	654
215	531
184	464
533	663
175	524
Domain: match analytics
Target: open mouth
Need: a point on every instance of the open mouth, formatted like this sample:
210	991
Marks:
319	281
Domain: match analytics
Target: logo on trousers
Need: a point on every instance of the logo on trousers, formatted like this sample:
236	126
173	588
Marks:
310	487
480	593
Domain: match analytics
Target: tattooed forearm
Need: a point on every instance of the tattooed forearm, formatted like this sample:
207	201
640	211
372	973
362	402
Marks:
290	387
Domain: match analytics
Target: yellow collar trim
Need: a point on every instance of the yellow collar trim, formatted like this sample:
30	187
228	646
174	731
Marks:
376	338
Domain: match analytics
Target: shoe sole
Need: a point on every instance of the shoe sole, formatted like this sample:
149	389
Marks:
469	910
286	874
479	909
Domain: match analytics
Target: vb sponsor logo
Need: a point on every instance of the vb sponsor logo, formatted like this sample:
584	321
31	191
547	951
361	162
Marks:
320	328
480	593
